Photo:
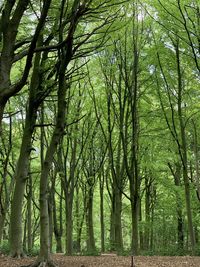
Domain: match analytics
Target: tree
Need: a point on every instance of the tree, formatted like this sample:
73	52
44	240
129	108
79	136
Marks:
9	25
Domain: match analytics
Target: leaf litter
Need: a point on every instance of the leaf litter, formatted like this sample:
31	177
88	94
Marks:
108	261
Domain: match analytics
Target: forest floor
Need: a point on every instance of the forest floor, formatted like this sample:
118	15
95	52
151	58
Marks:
108	261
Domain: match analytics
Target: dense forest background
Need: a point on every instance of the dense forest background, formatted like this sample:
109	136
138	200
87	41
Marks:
99	137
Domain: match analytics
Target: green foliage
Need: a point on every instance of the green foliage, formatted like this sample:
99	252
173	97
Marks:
4	247
90	253
34	251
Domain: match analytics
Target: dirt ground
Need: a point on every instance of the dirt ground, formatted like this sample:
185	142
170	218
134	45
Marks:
108	261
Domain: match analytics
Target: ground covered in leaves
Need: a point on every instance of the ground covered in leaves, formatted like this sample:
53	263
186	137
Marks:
108	261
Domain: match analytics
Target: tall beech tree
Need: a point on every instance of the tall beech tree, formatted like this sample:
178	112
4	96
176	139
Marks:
35	99
177	127
65	55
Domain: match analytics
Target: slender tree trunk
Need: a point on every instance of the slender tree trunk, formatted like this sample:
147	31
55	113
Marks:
2	222
44	255
183	152
69	199
141	229
58	227
89	222
2	107
7	189
116	241
25	235
16	224
29	214
118	224
152	238
147	213
79	220
196	152
180	226
101	190
135	219
50	211
112	224
69	225
21	173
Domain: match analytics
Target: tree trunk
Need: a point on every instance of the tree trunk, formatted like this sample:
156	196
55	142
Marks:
69	225
112	224
58	227
180	226
89	222
2	221
25	235
29	214
183	151
196	152
5	188
147	213
79	220
50	211
101	190
135	215
118	225
2	107
16	247
44	255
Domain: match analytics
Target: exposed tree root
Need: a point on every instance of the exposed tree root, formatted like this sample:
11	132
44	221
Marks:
18	255
41	264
